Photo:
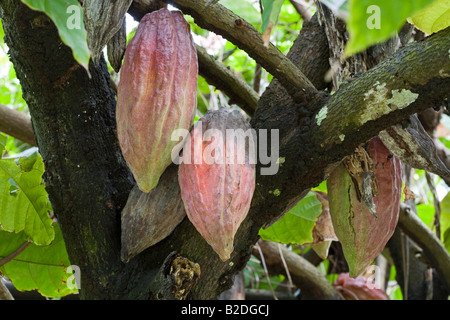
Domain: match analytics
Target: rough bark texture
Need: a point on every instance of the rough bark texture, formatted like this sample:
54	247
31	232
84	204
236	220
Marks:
88	182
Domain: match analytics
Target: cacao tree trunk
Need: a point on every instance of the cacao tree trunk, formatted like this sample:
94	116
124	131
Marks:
73	118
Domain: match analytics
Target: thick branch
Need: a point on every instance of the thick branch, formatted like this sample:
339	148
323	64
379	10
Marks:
16	124
304	275
415	78
211	15
231	84
432	247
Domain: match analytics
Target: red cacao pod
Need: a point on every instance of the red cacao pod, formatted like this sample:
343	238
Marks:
157	93
362	235
359	288
217	179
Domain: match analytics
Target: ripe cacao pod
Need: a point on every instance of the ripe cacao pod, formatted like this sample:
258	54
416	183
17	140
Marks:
361	234
157	93
359	288
217	179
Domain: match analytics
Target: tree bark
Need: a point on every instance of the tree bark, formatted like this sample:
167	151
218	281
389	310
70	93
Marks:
88	182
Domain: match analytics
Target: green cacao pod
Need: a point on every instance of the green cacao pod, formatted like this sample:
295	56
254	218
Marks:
157	93
217	179
362	234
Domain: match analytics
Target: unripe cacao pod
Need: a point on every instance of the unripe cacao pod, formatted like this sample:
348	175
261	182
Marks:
217	179
359	288
148	218
362	235
157	93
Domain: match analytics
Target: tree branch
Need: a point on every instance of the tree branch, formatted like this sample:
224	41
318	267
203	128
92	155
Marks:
432	247
304	275
224	79
16	124
74	122
213	16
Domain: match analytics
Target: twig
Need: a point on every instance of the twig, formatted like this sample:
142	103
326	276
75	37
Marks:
437	204
288	274
14	254
265	270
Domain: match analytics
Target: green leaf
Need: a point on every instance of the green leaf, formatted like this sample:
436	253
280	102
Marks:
308	208
271	11
374	21
42	268
24	203
295	226
68	18
433	18
426	213
445	221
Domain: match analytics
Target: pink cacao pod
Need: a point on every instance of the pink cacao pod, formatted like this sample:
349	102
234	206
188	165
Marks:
157	93
217	179
359	288
362	235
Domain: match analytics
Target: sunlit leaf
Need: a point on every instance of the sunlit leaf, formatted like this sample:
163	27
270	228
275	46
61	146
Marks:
433	18
42	268
297	225
26	205
374	21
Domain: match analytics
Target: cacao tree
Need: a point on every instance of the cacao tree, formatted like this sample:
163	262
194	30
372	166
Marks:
348	102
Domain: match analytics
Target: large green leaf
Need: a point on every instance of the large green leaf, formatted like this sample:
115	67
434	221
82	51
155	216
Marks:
295	226
42	268
68	18
433	18
374	21
24	203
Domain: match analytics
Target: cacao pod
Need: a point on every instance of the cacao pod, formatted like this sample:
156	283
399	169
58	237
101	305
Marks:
148	218
359	288
361	234
217	179
157	93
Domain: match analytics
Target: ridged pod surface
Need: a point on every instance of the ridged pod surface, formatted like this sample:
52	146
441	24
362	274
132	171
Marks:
157	93
361	234
359	288
216	186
